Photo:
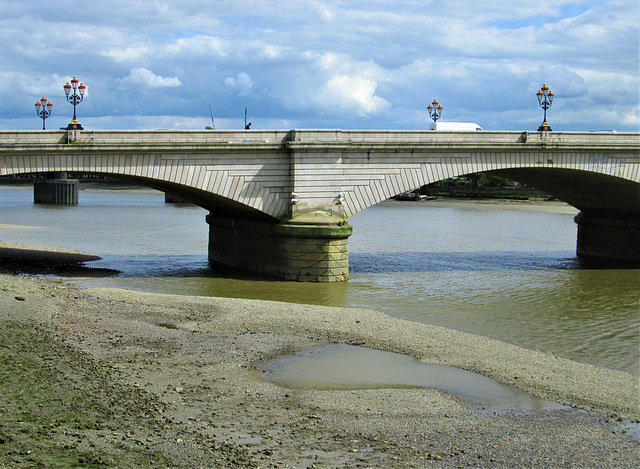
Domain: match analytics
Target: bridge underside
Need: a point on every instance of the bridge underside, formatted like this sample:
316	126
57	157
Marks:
591	193
216	204
609	218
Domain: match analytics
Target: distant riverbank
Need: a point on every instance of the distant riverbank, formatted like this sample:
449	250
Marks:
506	193
85	185
492	204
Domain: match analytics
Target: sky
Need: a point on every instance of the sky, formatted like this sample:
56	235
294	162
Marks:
315	64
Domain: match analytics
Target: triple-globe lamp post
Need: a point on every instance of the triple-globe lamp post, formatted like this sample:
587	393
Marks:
43	109
75	99
435	110
545	99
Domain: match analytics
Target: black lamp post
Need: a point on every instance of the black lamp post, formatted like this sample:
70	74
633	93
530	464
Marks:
545	99
75	99
43	109
435	110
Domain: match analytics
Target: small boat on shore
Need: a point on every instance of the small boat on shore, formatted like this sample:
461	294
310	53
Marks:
414	197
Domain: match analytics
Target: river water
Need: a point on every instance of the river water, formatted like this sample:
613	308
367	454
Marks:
502	271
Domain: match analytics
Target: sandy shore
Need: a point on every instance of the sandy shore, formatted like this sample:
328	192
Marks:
29	253
125	379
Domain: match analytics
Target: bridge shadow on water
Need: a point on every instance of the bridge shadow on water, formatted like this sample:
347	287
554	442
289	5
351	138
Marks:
472	261
151	266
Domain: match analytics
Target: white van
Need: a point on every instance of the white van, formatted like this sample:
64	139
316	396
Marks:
455	126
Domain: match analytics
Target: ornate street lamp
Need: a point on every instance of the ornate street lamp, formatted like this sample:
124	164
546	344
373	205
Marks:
545	99
75	99
43	109
435	110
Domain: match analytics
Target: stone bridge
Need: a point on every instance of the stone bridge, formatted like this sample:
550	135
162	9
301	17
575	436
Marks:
279	200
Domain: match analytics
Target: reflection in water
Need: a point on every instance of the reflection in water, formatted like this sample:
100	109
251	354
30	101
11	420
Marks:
512	276
586	315
340	366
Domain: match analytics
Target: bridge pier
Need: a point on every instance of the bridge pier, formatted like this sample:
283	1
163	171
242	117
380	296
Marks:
55	189
608	239
311	247
173	199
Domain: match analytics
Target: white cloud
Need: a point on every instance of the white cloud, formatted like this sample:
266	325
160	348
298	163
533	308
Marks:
128	54
143	77
327	63
334	84
632	118
242	83
347	92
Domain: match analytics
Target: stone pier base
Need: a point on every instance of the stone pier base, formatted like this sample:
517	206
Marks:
608	239
308	248
55	191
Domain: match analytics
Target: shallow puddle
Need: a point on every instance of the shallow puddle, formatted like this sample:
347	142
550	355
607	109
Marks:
340	366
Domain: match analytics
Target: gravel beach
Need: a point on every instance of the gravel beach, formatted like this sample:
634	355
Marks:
115	378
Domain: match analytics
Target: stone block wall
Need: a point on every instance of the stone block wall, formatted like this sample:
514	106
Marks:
288	251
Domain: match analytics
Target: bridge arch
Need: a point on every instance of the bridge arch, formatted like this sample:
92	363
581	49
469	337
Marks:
590	192
593	193
593	184
212	202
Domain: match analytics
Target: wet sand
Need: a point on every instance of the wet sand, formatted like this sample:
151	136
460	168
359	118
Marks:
18	253
119	378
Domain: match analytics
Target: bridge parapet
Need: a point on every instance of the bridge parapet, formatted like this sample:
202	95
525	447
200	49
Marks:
456	139
610	141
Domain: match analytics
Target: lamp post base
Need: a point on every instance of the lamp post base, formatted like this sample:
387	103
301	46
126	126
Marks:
545	127
74	125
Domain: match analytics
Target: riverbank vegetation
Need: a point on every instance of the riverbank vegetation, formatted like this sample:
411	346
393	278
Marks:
483	186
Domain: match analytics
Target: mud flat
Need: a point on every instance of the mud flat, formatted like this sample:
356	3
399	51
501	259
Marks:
107	377
492	205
